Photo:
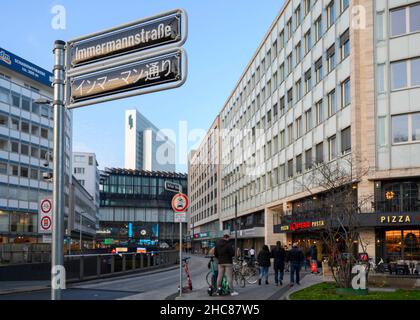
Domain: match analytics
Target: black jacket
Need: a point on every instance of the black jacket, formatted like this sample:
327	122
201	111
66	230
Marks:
279	255
296	256
264	258
314	253
224	252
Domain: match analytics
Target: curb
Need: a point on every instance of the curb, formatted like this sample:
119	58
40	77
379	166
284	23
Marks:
23	290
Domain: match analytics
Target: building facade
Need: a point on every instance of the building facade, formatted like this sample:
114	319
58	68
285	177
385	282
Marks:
86	172
204	186
135	209
146	147
331	80
26	142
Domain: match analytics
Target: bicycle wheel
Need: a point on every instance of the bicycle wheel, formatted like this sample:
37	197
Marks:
209	278
238	279
251	275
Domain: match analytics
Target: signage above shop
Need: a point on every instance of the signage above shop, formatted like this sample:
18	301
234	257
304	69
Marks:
294	226
397	219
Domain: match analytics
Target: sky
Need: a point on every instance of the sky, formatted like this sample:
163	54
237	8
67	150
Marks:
222	38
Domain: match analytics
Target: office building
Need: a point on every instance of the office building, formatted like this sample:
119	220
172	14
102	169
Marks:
204	185
26	142
146	147
135	209
331	80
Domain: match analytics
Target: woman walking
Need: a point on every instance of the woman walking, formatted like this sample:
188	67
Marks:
264	263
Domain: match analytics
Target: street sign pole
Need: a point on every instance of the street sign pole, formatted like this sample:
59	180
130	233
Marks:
57	257
180	259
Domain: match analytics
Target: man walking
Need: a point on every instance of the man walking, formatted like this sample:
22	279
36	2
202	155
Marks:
314	258
279	255
296	259
252	255
224	252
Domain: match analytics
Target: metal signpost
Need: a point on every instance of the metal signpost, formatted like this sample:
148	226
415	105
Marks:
136	58
179	205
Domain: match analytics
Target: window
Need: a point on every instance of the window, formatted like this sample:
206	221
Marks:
308	41
289	98
406	128
308	120
319	153
4	120
289	29
274	49
297	17
24	149
275	83
381	131
308	81
15	99
15	123
289	134
3	167
24	127
298	52
4	95
331	58
299	127
281	72
381	78
318	70
346	140
281	40
34	174
330	14
307	6
282	106
34	130
282	139
318	28
415	71
344	4
289	64
308	159
299	164
26	104
34	152
15	147
332	148
282	173
400	71
332	105
345	44
4	144
298	90
24	172
399	24
14	170
290	168
345	93
35	108
319	116
44	133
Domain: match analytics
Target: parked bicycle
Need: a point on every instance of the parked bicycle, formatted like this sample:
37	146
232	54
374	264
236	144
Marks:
248	270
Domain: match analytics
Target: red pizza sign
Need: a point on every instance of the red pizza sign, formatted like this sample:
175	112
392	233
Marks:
180	202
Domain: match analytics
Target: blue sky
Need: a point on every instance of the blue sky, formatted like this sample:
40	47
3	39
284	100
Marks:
223	35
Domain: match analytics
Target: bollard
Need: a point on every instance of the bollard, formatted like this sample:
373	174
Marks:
148	260
98	265
141	260
123	262
133	261
112	263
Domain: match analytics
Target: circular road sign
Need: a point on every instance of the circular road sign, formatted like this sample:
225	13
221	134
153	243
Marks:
46	206
45	223
180	202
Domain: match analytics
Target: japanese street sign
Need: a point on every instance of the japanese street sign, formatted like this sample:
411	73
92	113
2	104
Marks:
180	202
174	187
155	73
164	29
45	215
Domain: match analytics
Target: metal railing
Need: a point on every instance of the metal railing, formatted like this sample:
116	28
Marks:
93	266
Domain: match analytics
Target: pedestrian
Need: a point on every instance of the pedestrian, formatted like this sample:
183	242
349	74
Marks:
296	259
314	257
279	255
264	263
225	252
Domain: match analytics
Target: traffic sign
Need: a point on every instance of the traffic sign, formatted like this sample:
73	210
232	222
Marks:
132	77
180	202
172	186
45	215
167	29
180	217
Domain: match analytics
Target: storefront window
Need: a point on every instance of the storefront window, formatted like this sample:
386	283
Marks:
402	245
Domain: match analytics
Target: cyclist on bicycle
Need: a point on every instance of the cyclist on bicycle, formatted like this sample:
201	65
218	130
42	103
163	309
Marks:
225	252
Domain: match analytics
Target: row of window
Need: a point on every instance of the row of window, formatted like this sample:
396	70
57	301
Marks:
20	170
405	20
25	103
404	74
406	128
204	214
25	126
22	148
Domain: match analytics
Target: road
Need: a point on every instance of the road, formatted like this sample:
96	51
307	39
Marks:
156	285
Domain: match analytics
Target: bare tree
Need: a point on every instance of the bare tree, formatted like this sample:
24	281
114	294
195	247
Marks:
334	186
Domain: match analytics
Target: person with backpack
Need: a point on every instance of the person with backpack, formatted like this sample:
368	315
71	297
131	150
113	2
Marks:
279	255
264	263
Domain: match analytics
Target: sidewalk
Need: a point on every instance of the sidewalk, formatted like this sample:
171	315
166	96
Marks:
307	281
8	287
251	291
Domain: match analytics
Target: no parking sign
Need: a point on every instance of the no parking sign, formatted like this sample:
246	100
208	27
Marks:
45	215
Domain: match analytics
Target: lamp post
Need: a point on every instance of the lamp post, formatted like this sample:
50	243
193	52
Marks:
236	226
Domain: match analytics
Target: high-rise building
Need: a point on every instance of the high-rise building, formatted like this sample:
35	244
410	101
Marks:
26	142
146	147
331	81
